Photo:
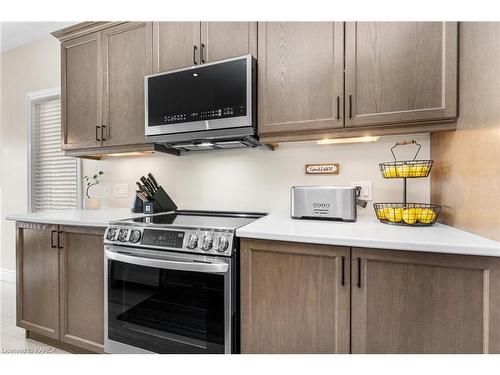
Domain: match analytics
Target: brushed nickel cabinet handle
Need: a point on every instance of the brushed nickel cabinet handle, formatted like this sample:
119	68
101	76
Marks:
359	272
59	246
194	55
350	106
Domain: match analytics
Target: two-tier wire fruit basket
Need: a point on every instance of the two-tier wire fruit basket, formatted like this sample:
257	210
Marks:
404	213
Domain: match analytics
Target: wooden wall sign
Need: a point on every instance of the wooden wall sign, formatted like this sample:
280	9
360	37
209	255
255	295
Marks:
330	168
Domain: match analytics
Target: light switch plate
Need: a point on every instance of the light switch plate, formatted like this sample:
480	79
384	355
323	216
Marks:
366	189
120	190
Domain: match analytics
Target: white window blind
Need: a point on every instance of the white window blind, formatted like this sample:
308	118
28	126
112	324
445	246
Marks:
53	176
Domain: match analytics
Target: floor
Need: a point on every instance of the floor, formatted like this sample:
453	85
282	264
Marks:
12	338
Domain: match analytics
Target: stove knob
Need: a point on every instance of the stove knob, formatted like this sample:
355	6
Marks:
135	236
192	241
222	244
111	234
122	235
206	243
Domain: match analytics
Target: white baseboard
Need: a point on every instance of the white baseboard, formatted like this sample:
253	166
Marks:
8	276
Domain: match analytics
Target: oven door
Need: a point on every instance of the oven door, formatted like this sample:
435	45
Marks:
162	302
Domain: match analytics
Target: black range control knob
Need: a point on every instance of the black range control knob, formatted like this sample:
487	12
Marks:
111	234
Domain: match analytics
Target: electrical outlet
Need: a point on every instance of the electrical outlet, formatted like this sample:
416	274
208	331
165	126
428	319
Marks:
366	189
120	190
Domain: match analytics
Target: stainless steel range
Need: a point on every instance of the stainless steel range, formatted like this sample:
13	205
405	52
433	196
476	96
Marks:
172	283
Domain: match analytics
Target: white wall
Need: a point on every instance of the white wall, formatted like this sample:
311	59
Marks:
25	69
225	180
259	180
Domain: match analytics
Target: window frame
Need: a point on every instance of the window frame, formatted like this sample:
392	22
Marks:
34	98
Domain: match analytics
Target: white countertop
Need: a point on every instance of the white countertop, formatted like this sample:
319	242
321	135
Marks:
370	233
88	218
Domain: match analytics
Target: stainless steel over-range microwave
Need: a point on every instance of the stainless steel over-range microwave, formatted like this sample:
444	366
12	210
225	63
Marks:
203	104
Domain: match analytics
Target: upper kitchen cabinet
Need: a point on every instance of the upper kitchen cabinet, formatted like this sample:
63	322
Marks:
300	76
127	58
222	40
175	45
400	72
81	92
181	44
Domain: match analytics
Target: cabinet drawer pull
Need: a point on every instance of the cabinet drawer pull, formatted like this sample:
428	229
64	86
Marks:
338	107
343	272
52	245
59	246
97	128
202	53
350	106
104	127
194	55
359	272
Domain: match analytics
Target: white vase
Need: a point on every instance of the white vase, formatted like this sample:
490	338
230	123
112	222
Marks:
92	203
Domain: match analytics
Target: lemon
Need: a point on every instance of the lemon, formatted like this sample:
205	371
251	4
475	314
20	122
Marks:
403	171
390	172
394	215
381	213
426	216
419	170
410	215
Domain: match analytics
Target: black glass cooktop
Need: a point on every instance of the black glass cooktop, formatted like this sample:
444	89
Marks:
199	219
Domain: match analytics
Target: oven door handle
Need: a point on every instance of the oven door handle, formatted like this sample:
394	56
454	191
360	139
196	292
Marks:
169	264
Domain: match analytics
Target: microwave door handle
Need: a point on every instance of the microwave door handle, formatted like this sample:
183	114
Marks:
168	264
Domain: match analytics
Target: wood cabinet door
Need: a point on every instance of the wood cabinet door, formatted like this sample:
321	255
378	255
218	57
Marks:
175	45
222	40
300	76
82	287
294	298
37	292
406	302
81	96
127	58
400	72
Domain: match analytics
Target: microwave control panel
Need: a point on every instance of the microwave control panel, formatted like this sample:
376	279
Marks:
210	114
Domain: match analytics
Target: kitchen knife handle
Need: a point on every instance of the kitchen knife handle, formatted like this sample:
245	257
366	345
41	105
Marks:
343	271
194	54
202	53
359	272
97	128
153	180
338	107
52	245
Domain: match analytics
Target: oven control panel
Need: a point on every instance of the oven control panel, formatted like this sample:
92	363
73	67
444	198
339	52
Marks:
201	241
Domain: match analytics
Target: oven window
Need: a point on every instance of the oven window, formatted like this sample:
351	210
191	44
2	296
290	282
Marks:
165	311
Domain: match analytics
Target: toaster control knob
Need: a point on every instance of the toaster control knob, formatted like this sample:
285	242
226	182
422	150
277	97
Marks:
206	243
192	241
222	244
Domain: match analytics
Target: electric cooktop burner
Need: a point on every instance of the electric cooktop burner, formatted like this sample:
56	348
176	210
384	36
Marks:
205	232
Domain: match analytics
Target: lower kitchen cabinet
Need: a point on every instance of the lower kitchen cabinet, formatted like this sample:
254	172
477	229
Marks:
82	287
37	272
406	302
60	284
294	298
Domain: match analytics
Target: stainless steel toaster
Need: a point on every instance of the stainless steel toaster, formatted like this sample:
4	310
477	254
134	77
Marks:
323	202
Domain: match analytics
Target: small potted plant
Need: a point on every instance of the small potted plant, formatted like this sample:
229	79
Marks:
92	203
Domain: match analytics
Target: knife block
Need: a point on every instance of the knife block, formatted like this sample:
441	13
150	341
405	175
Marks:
159	202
